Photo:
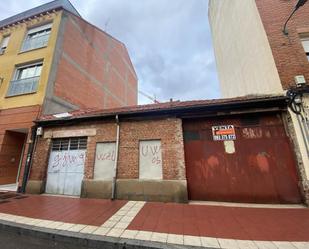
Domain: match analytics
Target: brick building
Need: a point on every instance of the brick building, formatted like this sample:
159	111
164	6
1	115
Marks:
54	61
215	150
255	55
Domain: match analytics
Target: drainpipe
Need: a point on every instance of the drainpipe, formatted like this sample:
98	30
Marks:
29	160
116	159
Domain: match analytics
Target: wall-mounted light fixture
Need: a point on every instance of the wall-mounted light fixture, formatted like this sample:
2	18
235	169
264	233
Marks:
298	5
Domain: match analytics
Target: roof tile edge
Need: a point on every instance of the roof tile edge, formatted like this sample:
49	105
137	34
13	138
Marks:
57	4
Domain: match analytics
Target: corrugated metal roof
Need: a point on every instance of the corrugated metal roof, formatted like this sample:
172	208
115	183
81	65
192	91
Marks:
57	4
168	106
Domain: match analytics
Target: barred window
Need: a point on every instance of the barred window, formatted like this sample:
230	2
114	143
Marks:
76	143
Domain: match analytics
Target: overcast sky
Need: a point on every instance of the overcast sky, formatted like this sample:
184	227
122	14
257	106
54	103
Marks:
169	42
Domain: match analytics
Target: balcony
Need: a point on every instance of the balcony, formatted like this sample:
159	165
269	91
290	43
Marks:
23	86
35	42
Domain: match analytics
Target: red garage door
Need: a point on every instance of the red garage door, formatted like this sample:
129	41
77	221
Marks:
257	167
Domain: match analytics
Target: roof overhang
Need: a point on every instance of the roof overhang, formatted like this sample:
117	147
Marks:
42	9
259	105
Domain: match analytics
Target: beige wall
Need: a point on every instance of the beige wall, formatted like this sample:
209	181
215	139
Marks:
244	59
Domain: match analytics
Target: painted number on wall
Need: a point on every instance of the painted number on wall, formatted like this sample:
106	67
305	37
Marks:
150	160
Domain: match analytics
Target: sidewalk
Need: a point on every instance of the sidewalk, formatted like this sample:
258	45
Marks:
178	224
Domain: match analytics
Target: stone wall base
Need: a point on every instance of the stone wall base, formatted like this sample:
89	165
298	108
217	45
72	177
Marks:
150	190
138	190
35	187
96	189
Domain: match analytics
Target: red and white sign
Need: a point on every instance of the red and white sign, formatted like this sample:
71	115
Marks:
223	133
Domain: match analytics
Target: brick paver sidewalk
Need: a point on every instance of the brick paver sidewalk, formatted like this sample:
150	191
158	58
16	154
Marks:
183	224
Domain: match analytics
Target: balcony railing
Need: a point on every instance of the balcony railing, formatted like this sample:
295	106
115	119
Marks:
36	42
23	86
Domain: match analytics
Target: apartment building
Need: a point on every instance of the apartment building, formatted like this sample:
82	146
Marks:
257	54
53	61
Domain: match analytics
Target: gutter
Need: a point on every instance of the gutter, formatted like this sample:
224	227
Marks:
29	160
116	158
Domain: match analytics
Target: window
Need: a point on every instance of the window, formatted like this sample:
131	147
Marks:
4	44
305	42
75	143
37	37
26	79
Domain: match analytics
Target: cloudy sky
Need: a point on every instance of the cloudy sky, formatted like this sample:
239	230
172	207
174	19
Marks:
169	42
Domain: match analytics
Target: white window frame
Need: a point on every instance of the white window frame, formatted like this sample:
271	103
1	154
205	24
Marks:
29	84
19	68
4	44
305	43
39	41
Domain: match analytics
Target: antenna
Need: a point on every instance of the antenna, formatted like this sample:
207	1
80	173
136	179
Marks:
106	24
149	97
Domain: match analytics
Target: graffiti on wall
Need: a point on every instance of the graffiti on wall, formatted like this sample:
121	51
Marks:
106	155
104	167
154	151
150	159
61	161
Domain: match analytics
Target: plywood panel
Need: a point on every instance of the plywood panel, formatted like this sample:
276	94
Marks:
150	160
104	167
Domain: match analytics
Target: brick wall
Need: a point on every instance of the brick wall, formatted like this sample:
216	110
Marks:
288	52
94	70
19	120
169	131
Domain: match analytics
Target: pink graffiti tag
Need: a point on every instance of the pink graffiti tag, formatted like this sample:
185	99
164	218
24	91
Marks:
156	160
152	150
68	160
108	156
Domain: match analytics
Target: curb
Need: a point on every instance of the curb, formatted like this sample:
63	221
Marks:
65	239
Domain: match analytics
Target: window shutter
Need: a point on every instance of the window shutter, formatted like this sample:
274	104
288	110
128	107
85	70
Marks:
5	42
305	43
37	29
